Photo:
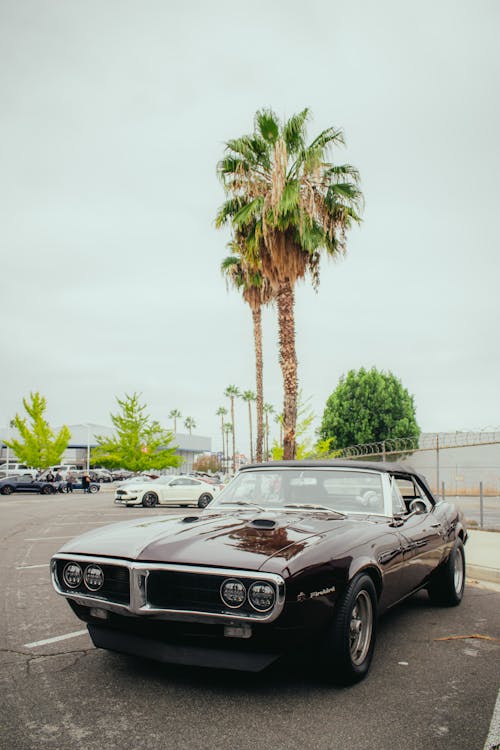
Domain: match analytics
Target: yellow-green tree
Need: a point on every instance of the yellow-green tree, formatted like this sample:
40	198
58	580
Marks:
38	446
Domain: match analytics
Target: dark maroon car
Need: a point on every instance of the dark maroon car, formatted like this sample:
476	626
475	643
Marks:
292	557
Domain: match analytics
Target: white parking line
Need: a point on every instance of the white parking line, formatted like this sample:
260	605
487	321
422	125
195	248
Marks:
29	567
57	638
43	538
493	739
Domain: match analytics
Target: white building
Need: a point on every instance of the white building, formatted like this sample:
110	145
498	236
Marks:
83	439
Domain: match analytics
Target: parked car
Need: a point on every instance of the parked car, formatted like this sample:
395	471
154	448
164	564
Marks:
17	470
26	484
77	484
101	475
166	490
292	557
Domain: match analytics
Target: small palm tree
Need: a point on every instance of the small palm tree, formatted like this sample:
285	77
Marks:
244	274
232	392
290	203
175	415
189	424
268	409
249	397
221	412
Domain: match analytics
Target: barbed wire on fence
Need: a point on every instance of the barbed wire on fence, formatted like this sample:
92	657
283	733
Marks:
426	442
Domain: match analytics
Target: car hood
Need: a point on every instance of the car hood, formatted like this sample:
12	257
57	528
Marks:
241	539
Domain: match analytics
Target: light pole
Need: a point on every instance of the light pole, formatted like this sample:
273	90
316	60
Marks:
88	447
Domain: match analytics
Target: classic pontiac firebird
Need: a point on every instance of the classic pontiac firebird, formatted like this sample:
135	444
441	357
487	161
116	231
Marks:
291	555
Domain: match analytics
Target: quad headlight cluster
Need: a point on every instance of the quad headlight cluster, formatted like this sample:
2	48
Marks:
260	594
92	576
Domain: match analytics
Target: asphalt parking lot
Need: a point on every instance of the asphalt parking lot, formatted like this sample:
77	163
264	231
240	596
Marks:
58	691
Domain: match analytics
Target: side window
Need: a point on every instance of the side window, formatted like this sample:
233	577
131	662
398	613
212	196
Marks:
398	505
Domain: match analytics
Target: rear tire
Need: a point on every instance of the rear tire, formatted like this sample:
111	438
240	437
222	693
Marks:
348	648
7	490
446	588
150	499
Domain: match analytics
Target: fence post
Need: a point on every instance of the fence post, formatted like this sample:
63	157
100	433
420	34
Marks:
443	492
481	505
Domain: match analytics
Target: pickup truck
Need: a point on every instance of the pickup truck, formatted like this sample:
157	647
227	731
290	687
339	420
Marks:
16	470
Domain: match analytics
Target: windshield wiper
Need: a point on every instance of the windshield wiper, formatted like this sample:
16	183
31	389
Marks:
312	506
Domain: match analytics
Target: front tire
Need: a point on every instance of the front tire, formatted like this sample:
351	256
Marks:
150	499
94	488
446	588
204	500
47	490
349	645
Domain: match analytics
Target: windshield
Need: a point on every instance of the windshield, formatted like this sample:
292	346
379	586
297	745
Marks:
342	490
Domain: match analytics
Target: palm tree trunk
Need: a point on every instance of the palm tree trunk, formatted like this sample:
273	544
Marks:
223	445
234	437
250	424
257	335
288	363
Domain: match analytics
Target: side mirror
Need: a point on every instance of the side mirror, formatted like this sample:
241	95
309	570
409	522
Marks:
418	506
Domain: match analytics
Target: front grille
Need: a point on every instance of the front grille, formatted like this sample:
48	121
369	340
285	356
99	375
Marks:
191	592
116	587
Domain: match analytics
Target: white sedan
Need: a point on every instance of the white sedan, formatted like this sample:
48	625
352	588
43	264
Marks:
174	490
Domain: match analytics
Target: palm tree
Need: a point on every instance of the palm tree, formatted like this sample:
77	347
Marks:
175	415
221	412
250	396
290	203
232	392
189	424
228	428
268	409
246	276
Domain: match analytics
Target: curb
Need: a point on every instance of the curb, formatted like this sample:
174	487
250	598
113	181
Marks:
483	574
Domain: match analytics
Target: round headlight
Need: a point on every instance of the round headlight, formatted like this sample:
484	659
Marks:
93	577
261	596
233	593
72	575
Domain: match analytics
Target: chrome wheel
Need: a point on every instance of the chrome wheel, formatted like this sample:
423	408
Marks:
360	627
458	572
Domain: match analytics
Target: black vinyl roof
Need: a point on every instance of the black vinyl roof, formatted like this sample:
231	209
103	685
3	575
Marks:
342	463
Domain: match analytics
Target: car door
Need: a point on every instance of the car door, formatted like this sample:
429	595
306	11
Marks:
173	492
423	542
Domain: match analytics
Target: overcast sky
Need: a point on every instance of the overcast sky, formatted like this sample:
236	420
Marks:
113	116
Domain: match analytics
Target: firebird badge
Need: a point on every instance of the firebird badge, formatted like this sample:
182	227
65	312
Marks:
314	594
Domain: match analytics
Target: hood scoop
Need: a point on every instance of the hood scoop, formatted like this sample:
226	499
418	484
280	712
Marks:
263	523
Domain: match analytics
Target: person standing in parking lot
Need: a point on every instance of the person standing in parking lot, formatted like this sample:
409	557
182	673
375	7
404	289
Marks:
70	478
86	482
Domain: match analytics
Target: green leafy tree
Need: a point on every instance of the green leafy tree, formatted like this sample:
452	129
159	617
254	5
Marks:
291	204
139	443
368	406
38	446
189	424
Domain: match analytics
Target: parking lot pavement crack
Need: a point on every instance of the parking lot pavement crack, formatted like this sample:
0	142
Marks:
32	659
